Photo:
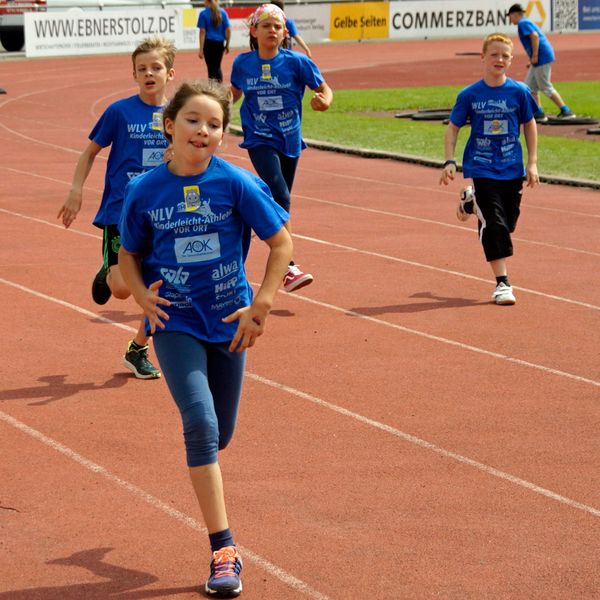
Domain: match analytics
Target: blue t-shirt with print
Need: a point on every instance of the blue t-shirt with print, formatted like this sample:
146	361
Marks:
215	33
193	233
496	113
271	112
545	52
134	130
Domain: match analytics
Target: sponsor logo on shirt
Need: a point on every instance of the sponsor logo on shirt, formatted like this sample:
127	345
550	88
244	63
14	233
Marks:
199	248
191	194
223	271
495	127
266	72
270	102
157	121
178	277
152	157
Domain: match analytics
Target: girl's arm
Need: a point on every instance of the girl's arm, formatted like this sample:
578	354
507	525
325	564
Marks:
322	99
147	298
72	204
235	94
201	38
227	39
251	319
303	45
450	138
531	172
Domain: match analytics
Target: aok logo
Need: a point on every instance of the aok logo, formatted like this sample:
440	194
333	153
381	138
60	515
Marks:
200	248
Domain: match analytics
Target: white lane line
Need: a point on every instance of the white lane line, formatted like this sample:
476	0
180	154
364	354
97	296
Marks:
359	251
371	422
438	269
428	445
270	568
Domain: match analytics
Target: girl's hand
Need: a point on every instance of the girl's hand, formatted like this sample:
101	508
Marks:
319	102
251	325
531	175
150	303
448	174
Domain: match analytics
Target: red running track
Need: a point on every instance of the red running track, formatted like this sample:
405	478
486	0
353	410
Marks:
400	437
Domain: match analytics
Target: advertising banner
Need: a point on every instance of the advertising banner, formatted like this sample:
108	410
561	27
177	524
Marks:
589	14
79	33
460	18
367	20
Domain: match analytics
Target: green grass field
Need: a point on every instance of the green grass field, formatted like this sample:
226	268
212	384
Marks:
359	119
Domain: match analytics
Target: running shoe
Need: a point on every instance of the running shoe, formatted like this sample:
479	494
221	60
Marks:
540	117
466	204
100	290
136	360
295	279
225	568
503	294
566	114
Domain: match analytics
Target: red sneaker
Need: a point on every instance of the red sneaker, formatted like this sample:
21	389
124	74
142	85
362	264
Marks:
295	279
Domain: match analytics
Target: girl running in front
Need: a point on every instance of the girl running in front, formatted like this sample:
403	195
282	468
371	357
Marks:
273	81
185	232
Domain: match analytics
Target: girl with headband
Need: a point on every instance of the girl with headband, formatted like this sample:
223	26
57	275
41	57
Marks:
273	81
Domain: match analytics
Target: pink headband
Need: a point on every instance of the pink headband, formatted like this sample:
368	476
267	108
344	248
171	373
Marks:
264	11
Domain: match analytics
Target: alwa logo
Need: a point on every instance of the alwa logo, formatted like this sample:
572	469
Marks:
178	277
223	271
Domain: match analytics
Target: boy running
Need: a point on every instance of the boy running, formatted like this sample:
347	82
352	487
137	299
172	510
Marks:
133	128
496	107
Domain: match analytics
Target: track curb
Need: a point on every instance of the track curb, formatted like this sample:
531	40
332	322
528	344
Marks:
421	160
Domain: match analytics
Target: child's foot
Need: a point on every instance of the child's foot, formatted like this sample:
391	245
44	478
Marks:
295	279
466	204
503	294
225	569
100	290
136	360
565	114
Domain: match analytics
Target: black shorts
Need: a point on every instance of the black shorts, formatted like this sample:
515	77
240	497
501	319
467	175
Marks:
111	242
499	207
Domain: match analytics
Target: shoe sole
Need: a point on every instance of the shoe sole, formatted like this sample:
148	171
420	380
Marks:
299	283
505	302
223	594
139	375
101	293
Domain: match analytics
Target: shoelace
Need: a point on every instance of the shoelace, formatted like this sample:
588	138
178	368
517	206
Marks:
294	270
224	562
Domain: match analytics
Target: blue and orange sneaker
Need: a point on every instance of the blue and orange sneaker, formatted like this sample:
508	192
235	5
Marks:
225	568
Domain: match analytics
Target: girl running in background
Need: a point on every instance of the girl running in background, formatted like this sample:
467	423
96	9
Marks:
214	35
272	81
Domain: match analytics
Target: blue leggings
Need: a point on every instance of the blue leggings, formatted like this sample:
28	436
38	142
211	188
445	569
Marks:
205	380
277	170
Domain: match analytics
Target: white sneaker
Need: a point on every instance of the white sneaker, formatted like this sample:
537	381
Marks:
503	294
466	204
295	279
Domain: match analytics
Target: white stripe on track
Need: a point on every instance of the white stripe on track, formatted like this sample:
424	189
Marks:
270	568
438	269
376	424
428	445
359	251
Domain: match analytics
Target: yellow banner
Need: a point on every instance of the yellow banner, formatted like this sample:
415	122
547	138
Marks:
367	20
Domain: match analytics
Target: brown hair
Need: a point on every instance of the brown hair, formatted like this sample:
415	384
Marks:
215	13
165	47
496	37
205	87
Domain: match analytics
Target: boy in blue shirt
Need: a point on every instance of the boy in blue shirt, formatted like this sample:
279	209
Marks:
496	107
541	56
133	128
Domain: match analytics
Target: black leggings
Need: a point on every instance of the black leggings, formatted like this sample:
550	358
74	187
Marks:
213	55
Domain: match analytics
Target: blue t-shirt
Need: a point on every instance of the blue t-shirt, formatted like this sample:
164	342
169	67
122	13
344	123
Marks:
291	27
271	112
134	130
205	21
193	233
545	52
496	113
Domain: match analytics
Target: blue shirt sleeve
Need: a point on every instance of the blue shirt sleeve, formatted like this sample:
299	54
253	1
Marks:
460	110
291	27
